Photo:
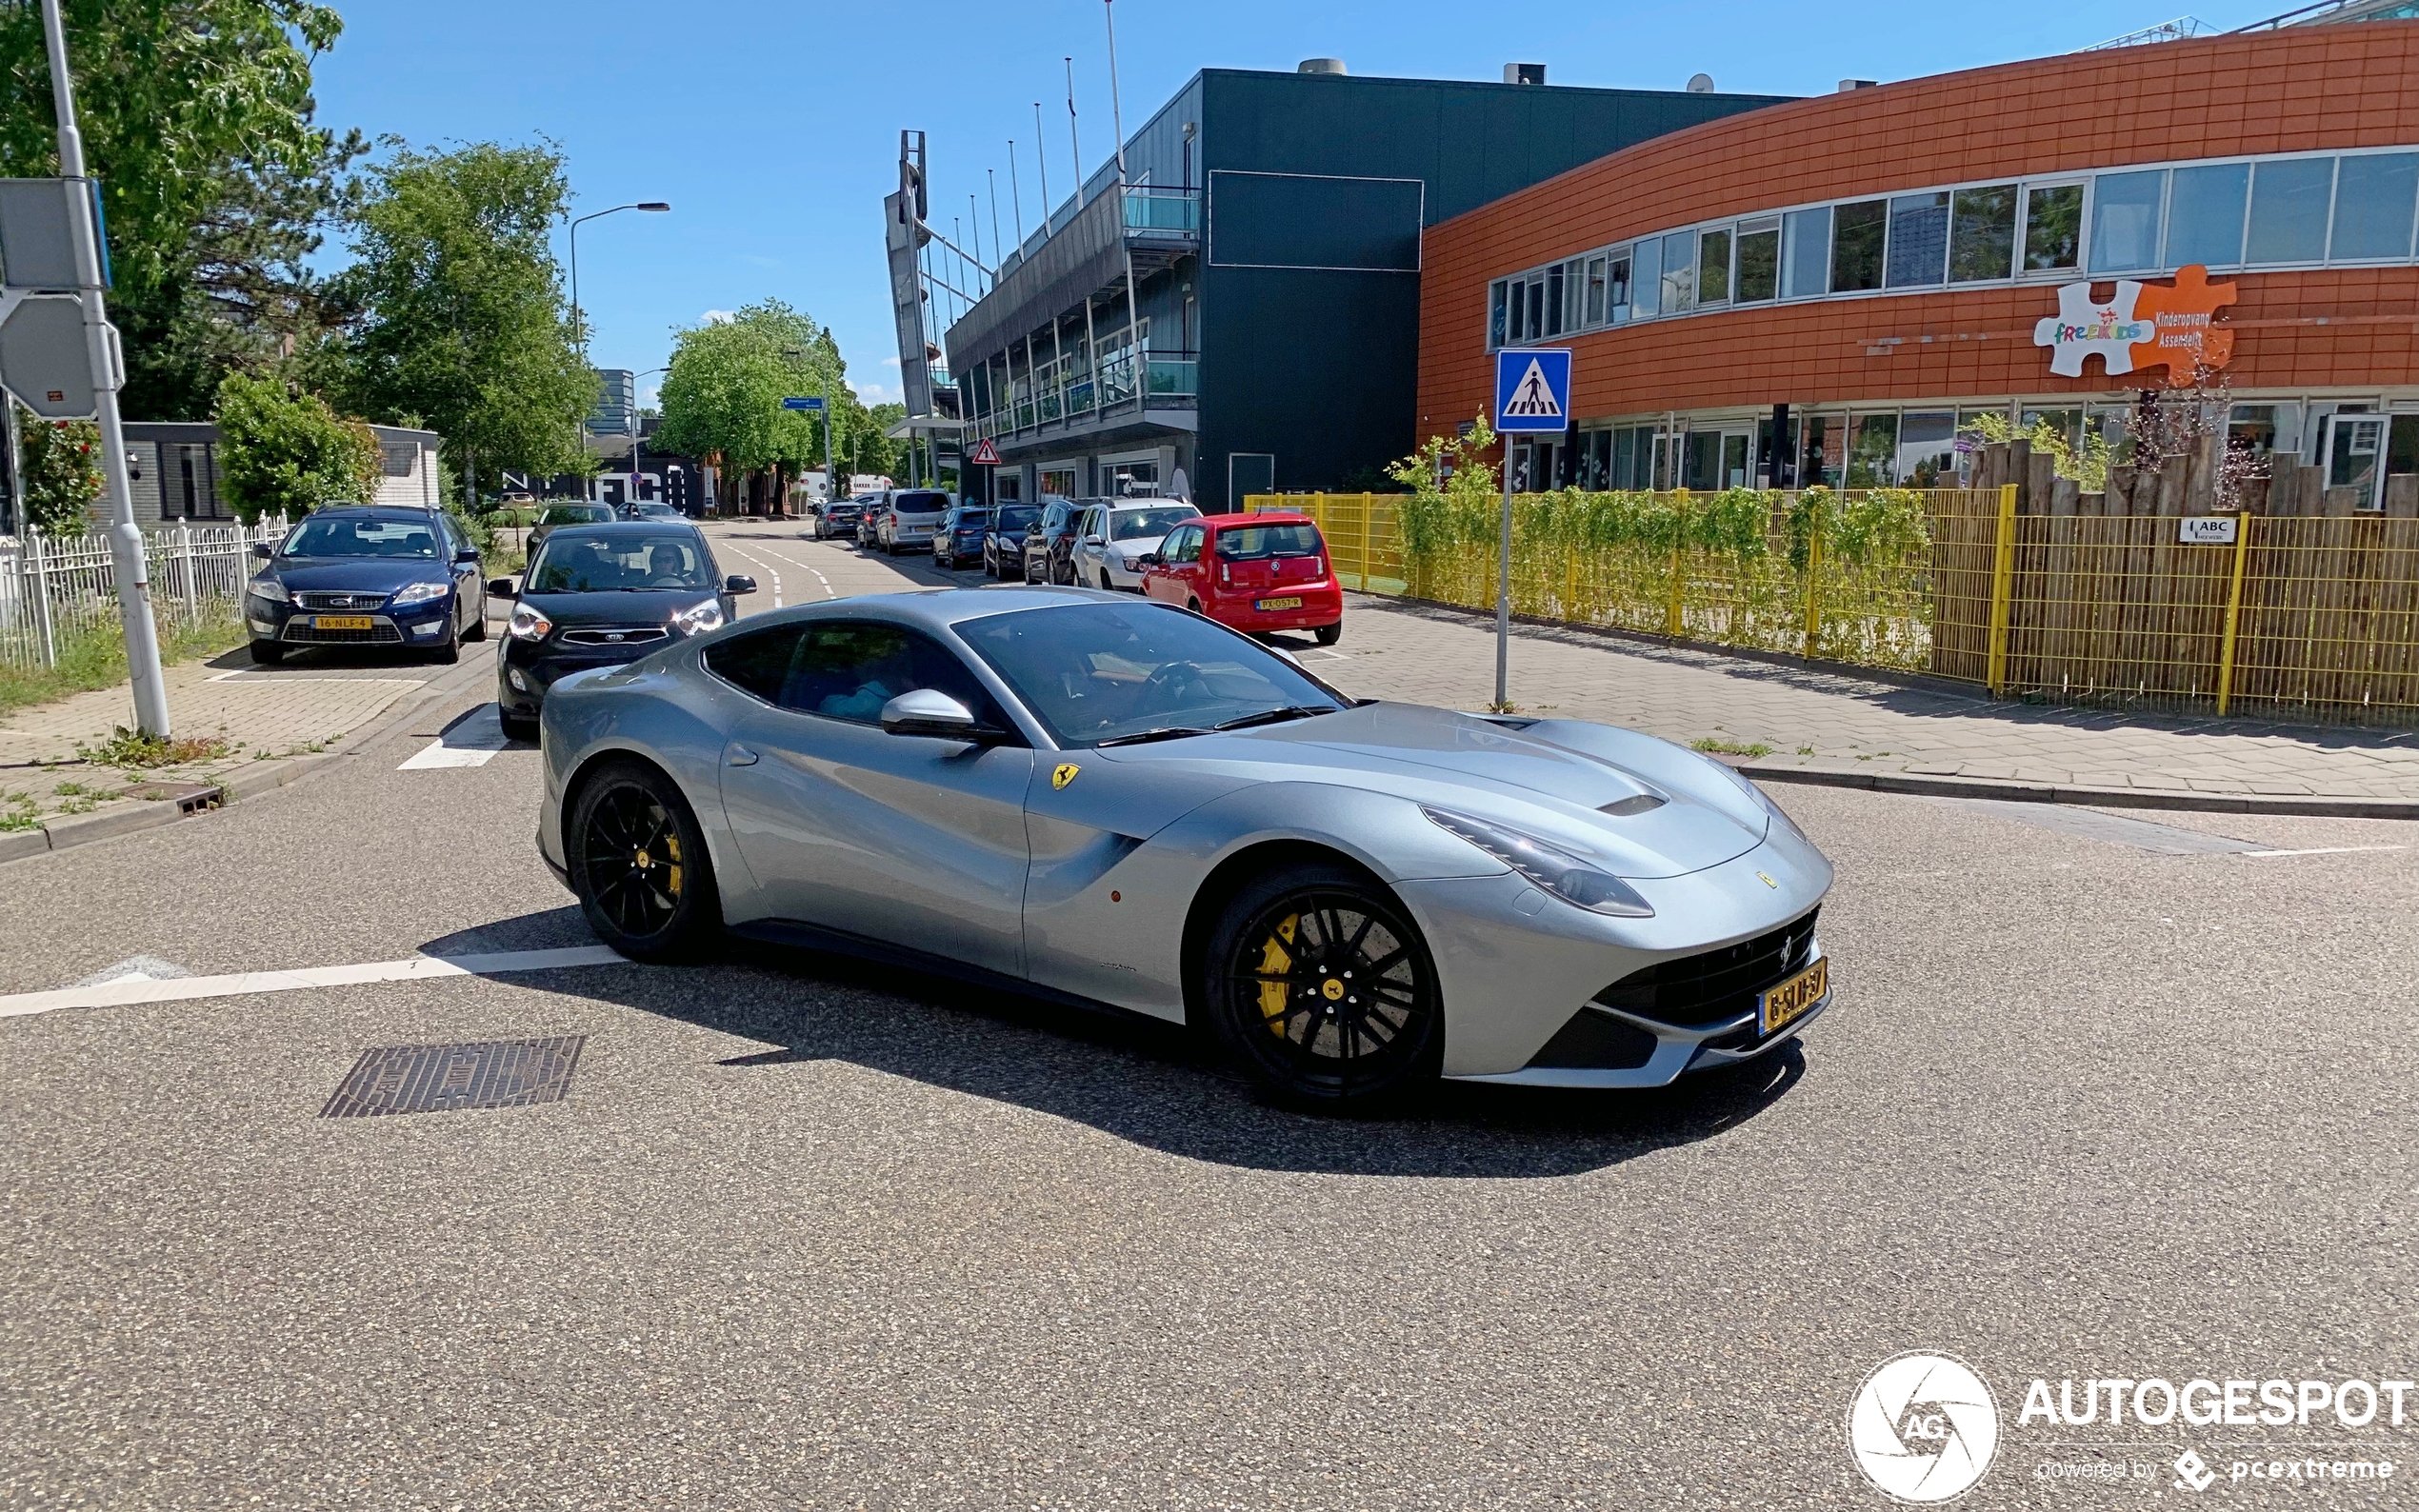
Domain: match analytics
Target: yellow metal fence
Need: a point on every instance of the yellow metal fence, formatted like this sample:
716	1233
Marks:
2315	617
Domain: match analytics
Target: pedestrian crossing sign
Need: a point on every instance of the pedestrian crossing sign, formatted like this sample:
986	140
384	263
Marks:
1532	389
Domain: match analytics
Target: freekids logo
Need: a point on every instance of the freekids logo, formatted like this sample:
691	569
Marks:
2144	325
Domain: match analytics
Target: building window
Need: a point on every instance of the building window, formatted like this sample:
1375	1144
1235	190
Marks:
1536	326
1872	455
1857	235
1713	268
1806	252
1759	261
1647	279
2374	207
2124	221
1679	269
1596	290
1919	240
1617	286
1982	235
1553	300
2289	210
2373	197
2204	214
2053	227
1495	299
1519	310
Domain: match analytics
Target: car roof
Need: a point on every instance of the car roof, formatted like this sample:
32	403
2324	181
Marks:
938	608
633	527
1267	517
1154	504
373	512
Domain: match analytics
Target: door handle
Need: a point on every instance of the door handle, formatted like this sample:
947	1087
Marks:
742	756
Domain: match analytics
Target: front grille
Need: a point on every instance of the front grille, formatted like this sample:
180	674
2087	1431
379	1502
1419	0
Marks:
339	600
1716	985
382	633
1596	1041
631	635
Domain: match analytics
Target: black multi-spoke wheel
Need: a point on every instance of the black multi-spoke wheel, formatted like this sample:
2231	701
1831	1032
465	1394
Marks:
1322	989
639	865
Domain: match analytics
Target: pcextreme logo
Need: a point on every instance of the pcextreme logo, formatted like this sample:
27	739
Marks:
1923	1428
2144	325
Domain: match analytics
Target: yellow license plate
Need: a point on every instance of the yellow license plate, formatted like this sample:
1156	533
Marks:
341	622
1278	603
1779	1007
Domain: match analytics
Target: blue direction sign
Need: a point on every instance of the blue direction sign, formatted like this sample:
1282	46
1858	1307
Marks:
813	403
1532	389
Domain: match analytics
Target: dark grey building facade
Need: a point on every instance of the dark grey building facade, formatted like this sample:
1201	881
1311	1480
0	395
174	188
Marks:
1265	254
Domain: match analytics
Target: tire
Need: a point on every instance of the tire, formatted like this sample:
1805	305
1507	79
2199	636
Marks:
268	653
1329	634
1066	581
640	866
478	631
1030	580
515	727
1321	990
1107	586
447	651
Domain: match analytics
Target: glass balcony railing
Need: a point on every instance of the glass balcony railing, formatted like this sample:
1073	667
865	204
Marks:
1175	375
1161	212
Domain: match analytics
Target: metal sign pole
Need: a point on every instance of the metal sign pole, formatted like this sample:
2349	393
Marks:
1503	595
126	537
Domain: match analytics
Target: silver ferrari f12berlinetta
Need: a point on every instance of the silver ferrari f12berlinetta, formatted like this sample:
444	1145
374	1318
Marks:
1070	794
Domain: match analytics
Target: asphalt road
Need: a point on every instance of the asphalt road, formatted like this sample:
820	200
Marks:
2092	1103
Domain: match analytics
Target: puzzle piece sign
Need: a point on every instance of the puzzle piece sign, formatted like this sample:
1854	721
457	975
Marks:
2144	325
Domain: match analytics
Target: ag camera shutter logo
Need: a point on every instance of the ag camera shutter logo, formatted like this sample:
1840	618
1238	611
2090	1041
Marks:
1923	1428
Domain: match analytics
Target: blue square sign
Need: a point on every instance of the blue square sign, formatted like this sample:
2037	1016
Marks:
1532	389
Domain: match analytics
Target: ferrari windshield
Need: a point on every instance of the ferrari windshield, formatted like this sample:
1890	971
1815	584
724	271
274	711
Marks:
1115	673
618	562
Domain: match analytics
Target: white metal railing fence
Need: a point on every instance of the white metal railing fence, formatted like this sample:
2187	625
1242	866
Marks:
56	589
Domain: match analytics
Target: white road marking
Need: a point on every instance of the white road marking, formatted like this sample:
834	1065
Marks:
2322	850
828	592
769	570
130	991
473	742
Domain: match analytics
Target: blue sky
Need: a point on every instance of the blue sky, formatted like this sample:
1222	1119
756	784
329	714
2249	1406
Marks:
773	128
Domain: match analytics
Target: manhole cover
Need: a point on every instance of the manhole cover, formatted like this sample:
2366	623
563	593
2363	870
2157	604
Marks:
442	1078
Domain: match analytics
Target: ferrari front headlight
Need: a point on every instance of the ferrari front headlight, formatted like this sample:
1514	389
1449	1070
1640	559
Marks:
1553	869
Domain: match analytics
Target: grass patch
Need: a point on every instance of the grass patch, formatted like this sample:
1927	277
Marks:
18	811
95	658
1729	748
131	748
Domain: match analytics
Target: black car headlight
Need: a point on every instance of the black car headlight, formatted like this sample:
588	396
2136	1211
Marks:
1555	870
700	618
271	590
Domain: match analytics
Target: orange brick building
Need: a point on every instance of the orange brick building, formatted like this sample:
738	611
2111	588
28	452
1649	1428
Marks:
1862	275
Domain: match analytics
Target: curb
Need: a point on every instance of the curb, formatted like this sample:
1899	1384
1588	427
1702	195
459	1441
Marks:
2006	790
258	778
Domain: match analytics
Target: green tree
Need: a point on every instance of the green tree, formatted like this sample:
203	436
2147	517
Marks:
285	451
197	119
62	472
463	327
723	394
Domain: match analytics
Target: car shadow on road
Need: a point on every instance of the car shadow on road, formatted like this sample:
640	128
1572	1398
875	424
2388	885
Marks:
1134	1078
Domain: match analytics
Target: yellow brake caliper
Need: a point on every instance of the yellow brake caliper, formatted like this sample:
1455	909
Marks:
1275	961
671	848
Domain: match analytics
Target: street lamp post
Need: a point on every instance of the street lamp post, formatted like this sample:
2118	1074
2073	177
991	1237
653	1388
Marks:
579	317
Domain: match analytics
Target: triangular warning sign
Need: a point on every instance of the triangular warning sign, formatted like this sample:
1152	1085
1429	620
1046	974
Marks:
985	455
1532	395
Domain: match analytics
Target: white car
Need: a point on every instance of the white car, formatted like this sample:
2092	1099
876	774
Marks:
1111	537
906	518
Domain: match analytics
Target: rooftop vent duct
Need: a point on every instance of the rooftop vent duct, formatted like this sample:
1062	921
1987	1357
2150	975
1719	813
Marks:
1845	84
1335	66
1700	84
1523	73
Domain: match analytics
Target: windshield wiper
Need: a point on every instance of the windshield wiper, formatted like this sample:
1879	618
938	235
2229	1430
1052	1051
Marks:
1278	716
1145	737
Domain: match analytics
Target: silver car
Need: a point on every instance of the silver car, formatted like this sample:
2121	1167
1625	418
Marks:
908	517
1090	798
1111	539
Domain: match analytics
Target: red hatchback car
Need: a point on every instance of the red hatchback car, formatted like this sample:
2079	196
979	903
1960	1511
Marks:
1251	573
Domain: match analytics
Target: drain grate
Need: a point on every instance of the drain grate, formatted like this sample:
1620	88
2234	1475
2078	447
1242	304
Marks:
446	1077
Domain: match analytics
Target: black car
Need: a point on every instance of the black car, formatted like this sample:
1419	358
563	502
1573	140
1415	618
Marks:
648	509
1049	546
1005	538
556	515
841	517
365	576
960	536
599	595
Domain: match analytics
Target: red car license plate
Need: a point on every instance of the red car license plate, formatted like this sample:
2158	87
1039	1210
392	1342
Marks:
1295	603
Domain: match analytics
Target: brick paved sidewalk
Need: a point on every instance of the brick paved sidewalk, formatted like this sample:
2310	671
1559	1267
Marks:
1821	721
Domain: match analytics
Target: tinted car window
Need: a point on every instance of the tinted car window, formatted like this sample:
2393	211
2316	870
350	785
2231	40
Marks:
845	669
1054	517
1095	671
1016	517
623	560
1184	545
577	515
1257	543
919	501
357	535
